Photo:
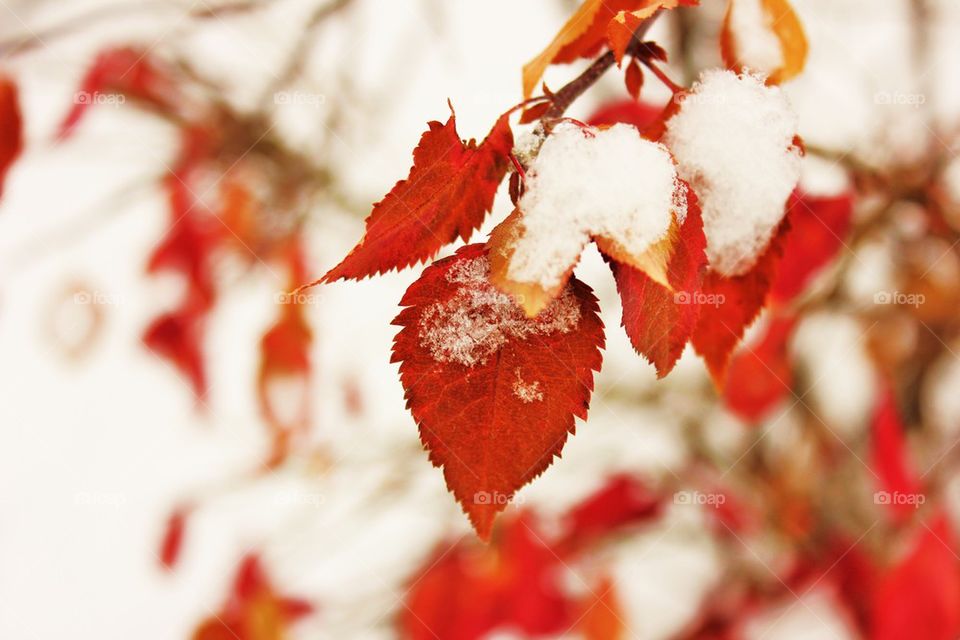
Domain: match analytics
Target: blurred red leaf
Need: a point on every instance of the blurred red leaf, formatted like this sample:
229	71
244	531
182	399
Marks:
466	592
898	484
919	597
639	114
658	321
177	336
129	71
11	127
254	610
172	542
730	305
759	375
622	501
818	227
448	193
493	392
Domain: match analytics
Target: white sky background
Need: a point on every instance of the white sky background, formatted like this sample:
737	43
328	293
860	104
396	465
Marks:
121	428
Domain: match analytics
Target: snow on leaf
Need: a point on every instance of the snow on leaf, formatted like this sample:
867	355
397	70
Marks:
818	227
11	126
446	196
610	185
759	375
730	304
659	320
764	36
733	138
460	347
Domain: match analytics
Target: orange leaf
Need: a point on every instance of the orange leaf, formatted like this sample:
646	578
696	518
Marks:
759	376
493	392
818	227
581	37
602	616
659	320
781	19
448	193
11	127
730	304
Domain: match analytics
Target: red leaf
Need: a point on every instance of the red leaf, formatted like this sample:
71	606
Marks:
622	501
125	70
254	610
172	541
448	193
919	598
11	126
493	392
818	226
759	375
898	484
177	336
659	321
729	305
465	592
639	114
634	79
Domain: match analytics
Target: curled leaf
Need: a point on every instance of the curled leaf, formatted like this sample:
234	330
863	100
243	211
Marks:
779	19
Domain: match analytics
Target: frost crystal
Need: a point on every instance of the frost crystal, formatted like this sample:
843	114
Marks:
592	182
527	391
733	141
478	320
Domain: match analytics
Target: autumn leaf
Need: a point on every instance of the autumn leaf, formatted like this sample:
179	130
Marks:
129	71
494	393
779	17
178	337
601	615
446	196
633	78
818	228
730	304
919	597
254	610
595	24
11	127
622	501
467	592
890	458
172	542
759	375
639	114
659	320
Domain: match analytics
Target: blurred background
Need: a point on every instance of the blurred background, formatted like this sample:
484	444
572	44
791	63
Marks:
189	451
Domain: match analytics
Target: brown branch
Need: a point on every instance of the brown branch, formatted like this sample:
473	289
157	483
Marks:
569	93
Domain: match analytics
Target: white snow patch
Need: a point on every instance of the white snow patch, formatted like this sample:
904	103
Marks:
478	320
733	141
590	182
757	46
527	391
